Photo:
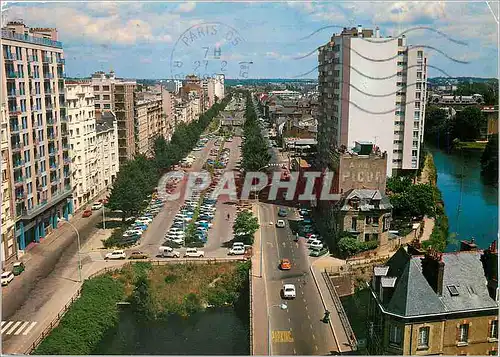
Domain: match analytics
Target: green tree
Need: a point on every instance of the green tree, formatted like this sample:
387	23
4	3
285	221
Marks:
348	246
468	123
398	184
142	301
435	121
415	201
489	160
245	226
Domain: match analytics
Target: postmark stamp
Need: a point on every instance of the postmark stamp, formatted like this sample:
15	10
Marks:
208	50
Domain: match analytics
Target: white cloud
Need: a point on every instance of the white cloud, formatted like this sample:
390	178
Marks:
186	6
77	25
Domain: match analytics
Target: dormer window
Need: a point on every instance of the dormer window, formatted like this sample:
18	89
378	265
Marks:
354	203
376	203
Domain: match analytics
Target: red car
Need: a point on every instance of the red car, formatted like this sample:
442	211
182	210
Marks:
87	213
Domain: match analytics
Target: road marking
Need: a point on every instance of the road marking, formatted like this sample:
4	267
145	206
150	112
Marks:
4	328
3	323
311	326
316	347
294	351
289	320
314	337
309	317
26	323
14	327
29	328
282	336
305	307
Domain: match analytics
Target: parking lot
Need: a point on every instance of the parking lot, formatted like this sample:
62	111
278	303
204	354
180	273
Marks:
166	227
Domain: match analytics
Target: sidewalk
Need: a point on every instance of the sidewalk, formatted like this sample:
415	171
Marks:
339	334
259	309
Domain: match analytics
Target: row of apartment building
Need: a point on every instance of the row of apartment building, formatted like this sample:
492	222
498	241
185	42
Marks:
63	141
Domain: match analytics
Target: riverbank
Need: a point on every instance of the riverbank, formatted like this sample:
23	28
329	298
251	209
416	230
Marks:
439	237
158	292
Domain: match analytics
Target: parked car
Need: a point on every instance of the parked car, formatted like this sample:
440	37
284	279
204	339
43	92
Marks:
116	254
282	212
96	206
132	232
169	252
285	264
289	291
138	255
280	223
194	253
87	213
316	245
7	277
176	240
238	244
236	251
18	268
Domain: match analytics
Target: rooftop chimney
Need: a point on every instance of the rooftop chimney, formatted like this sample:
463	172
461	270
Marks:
466	246
490	266
415	247
433	270
377	32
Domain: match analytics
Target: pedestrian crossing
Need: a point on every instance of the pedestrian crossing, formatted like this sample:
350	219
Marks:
282	336
17	327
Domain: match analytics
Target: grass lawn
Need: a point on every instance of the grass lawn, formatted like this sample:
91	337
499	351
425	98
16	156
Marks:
172	284
471	145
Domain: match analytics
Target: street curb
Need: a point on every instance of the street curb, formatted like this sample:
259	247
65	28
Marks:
324	305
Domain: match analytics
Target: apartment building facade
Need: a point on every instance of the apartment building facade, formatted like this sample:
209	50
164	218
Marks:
33	93
219	87
151	123
117	95
107	157
82	139
372	88
168	104
8	249
430	303
208	85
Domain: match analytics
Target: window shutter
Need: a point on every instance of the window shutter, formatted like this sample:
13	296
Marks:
457	337
490	325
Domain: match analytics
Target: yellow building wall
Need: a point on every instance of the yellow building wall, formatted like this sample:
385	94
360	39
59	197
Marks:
443	338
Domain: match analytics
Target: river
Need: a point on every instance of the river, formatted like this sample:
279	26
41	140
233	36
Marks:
216	331
459	180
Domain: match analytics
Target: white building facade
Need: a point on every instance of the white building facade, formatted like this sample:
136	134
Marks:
82	137
107	151
372	89
219	87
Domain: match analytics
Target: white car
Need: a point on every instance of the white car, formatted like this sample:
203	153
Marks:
144	219
238	250
132	232
96	206
289	291
194	253
310	242
176	240
316	245
168	252
280	223
7	277
116	254
238	244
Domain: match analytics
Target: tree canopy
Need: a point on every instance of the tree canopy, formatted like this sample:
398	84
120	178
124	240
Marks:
489	160
245	226
468	123
255	148
488	90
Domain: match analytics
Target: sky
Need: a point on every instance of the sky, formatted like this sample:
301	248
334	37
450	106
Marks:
257	39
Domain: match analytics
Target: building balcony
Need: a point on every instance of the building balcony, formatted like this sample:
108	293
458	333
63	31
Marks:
52	153
51	138
10	56
67	160
55	182
17	147
64	119
12	93
46	59
48	91
36	108
32	59
14	129
61	74
14	110
60	60
19	181
18	164
53	167
13	75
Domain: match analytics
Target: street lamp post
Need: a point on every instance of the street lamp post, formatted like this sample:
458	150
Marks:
79	248
282	306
